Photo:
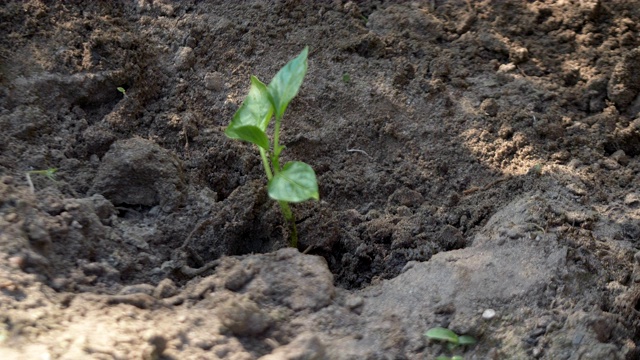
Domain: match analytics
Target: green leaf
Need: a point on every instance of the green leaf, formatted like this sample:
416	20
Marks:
249	133
466	340
295	183
254	114
439	333
457	357
51	173
285	85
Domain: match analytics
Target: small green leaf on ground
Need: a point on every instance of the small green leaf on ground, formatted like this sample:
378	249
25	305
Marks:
466	340
439	333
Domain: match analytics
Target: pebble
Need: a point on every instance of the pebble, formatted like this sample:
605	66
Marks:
488	314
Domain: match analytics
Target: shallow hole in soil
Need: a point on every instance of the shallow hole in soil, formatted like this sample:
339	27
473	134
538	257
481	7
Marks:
132	211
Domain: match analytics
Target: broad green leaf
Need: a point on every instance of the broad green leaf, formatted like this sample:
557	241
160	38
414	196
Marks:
249	133
439	333
256	108
466	340
285	85
457	357
295	183
262	101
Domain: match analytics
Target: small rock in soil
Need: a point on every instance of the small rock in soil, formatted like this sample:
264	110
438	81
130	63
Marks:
488	314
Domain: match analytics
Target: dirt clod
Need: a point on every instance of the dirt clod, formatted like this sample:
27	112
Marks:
139	172
243	317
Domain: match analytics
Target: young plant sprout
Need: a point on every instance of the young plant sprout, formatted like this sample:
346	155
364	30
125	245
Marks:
122	90
50	173
453	340
295	181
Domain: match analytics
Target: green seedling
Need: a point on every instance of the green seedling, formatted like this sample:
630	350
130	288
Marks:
453	340
49	173
122	90
346	78
295	181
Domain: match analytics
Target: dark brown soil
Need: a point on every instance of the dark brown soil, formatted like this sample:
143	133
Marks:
471	155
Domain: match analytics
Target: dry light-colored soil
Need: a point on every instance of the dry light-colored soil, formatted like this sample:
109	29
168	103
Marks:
477	162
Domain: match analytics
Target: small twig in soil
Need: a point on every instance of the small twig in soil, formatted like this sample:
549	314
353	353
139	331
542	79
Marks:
31	188
486	187
272	343
360	151
306	251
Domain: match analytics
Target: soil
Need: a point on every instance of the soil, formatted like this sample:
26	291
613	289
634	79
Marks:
477	162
